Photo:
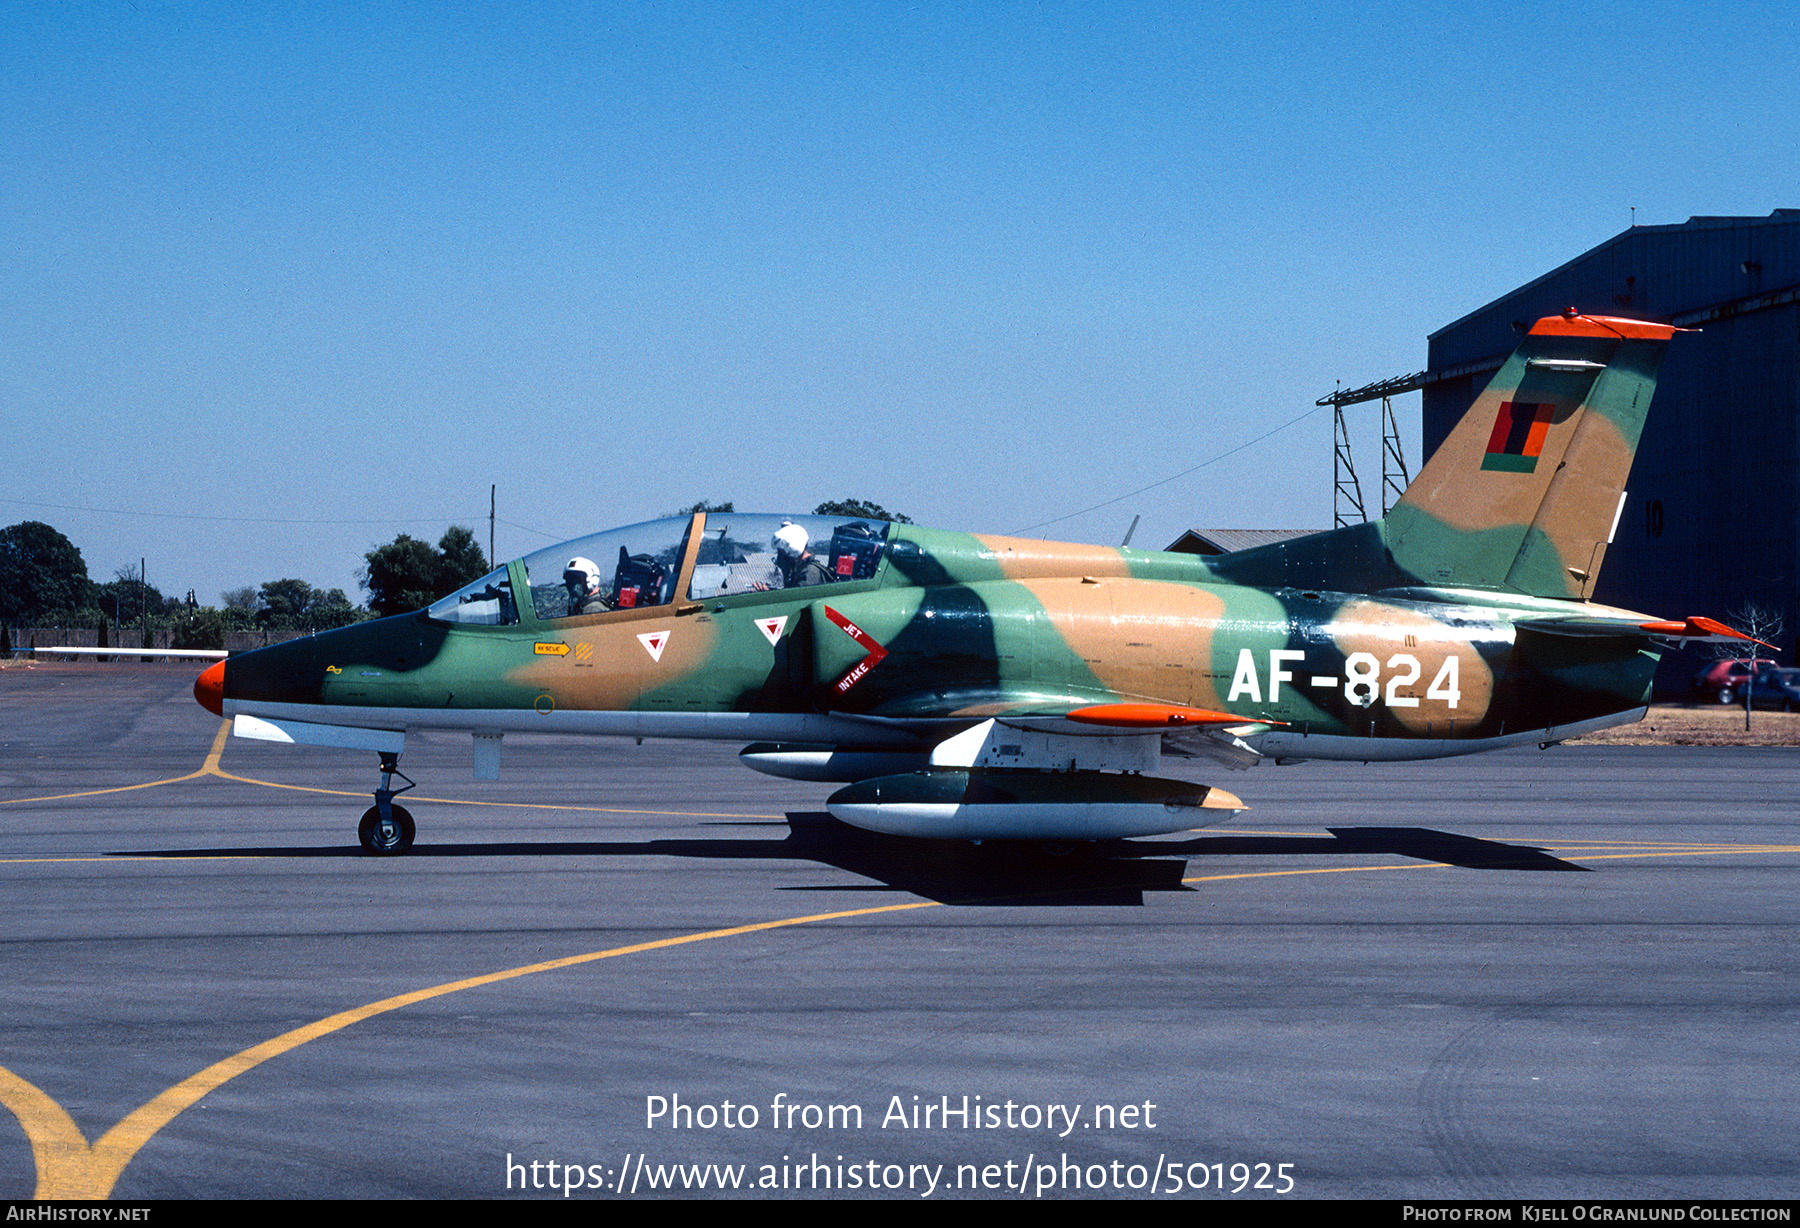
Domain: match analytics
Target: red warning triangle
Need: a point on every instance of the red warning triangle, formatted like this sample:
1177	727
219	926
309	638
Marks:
771	627
653	642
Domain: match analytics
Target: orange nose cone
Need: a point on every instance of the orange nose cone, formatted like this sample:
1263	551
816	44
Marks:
209	689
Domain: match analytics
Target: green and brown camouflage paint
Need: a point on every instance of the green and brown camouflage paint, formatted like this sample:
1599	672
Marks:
1406	628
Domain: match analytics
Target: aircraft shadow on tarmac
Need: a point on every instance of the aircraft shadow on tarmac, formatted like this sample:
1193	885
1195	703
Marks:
1111	872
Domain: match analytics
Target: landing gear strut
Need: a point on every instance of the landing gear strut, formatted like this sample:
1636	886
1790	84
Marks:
386	829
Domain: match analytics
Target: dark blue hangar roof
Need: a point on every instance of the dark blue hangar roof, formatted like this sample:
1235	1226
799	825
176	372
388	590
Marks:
1687	274
1712	518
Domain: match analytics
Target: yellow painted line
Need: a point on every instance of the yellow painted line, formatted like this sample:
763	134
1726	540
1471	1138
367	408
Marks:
57	797
1441	865
58	1147
218	748
209	768
69	1168
1220	878
1536	841
463	801
1770	848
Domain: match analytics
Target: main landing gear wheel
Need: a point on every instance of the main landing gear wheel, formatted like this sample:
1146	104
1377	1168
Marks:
386	839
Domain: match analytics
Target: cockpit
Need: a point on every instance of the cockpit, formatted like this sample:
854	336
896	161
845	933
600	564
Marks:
661	562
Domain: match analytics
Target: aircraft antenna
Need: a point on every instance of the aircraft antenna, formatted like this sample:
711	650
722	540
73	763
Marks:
491	488
1130	531
1346	496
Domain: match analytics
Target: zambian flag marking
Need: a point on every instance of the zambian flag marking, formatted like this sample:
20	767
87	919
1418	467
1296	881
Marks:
1518	437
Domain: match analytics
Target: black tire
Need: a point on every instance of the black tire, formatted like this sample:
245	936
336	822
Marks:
391	843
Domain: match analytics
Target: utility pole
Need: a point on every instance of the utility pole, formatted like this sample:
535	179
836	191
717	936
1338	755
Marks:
491	488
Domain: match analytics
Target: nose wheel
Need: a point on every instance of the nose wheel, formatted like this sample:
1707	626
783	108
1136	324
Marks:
387	830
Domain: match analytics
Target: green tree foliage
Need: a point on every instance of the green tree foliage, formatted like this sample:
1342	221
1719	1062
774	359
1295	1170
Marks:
42	576
400	576
704	505
295	605
407	574
241	605
331	608
198	628
284	605
124	598
860	508
460	559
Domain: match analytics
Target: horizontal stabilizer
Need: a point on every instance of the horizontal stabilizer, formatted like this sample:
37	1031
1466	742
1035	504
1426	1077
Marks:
1696	629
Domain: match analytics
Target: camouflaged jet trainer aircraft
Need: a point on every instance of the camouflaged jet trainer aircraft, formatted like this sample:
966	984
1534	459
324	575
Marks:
992	688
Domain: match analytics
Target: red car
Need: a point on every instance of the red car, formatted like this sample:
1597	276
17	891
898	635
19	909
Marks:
1723	680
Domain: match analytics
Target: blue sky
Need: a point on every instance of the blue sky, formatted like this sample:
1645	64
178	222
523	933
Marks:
298	278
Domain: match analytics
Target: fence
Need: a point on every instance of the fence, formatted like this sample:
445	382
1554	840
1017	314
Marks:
129	641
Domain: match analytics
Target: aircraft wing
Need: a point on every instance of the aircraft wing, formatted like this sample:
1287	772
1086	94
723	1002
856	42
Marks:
1184	731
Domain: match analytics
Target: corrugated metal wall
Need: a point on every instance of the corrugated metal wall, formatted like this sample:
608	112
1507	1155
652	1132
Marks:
1713	515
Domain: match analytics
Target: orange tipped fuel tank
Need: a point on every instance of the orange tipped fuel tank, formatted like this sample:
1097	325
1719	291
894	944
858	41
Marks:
209	689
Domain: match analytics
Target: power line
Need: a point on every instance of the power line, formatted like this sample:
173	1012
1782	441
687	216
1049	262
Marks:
1173	477
513	524
118	511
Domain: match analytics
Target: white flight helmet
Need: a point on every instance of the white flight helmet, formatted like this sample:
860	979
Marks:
790	540
584	572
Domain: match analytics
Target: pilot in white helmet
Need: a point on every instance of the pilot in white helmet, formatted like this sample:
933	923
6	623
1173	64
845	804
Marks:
582	578
799	569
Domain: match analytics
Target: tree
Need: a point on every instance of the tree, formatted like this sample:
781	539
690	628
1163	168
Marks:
285	605
400	576
1761	622
861	509
333	609
704	506
42	575
197	628
460	560
125	597
241	605
407	574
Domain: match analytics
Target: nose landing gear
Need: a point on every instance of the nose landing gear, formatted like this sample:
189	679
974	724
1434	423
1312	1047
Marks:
387	830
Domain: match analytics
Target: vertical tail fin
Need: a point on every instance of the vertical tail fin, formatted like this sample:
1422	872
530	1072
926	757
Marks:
1527	490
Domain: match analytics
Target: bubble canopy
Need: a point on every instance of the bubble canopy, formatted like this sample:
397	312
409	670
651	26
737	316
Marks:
640	565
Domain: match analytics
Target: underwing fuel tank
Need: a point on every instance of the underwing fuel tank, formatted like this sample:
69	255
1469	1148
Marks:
1009	805
810	761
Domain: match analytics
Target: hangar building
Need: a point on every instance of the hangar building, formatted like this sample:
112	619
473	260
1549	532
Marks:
1712	518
